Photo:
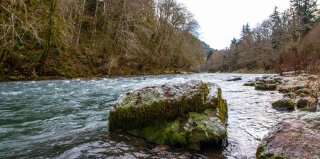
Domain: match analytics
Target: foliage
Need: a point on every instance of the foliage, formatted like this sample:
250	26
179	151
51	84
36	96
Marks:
97	37
287	41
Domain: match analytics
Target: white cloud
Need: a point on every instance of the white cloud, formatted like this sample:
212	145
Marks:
221	20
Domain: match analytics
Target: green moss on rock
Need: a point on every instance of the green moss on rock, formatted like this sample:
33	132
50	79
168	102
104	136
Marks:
261	154
140	108
164	133
203	128
181	115
133	117
190	132
222	107
283	104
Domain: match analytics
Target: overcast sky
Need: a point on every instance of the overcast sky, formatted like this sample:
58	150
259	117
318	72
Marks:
221	20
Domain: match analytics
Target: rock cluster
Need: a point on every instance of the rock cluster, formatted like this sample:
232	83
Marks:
184	115
266	82
300	92
297	137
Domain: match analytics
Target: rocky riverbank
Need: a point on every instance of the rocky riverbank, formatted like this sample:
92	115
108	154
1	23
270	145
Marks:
297	137
299	92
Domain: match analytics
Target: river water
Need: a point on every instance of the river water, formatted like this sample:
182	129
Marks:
69	118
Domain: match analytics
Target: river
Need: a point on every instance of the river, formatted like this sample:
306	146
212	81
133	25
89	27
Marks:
69	118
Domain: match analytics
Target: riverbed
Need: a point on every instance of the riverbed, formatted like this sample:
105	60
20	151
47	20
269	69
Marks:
69	118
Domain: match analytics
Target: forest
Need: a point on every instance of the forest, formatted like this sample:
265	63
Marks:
100	38
286	41
86	38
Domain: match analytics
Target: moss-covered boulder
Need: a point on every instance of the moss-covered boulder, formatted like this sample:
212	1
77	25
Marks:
292	138
183	115
283	104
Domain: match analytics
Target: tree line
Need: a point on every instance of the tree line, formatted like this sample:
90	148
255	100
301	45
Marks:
77	38
287	41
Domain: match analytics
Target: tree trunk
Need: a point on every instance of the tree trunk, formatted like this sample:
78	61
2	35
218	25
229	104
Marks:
95	23
80	24
47	50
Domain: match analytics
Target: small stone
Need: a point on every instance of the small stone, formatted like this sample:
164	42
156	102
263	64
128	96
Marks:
258	79
312	77
278	79
159	149
303	95
241	157
270	81
283	104
235	78
290	95
307	104
249	84
306	91
266	87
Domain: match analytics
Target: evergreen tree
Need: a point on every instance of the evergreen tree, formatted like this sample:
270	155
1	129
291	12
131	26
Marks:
277	30
306	14
234	42
245	30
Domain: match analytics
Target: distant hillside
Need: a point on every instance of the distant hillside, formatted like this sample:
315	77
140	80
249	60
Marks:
287	41
97	38
208	51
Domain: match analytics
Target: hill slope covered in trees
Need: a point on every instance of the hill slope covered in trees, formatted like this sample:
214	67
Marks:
82	38
288	41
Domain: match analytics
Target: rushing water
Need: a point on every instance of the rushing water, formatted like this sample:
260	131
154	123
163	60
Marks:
69	118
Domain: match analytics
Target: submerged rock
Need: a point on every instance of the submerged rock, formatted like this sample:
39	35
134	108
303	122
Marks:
183	115
235	78
249	83
293	138
266	87
283	104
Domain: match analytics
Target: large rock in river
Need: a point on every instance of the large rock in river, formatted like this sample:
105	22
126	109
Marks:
185	115
293	138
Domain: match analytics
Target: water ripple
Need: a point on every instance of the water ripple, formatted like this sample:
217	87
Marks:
68	118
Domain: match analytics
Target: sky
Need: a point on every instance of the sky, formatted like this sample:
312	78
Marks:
222	20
